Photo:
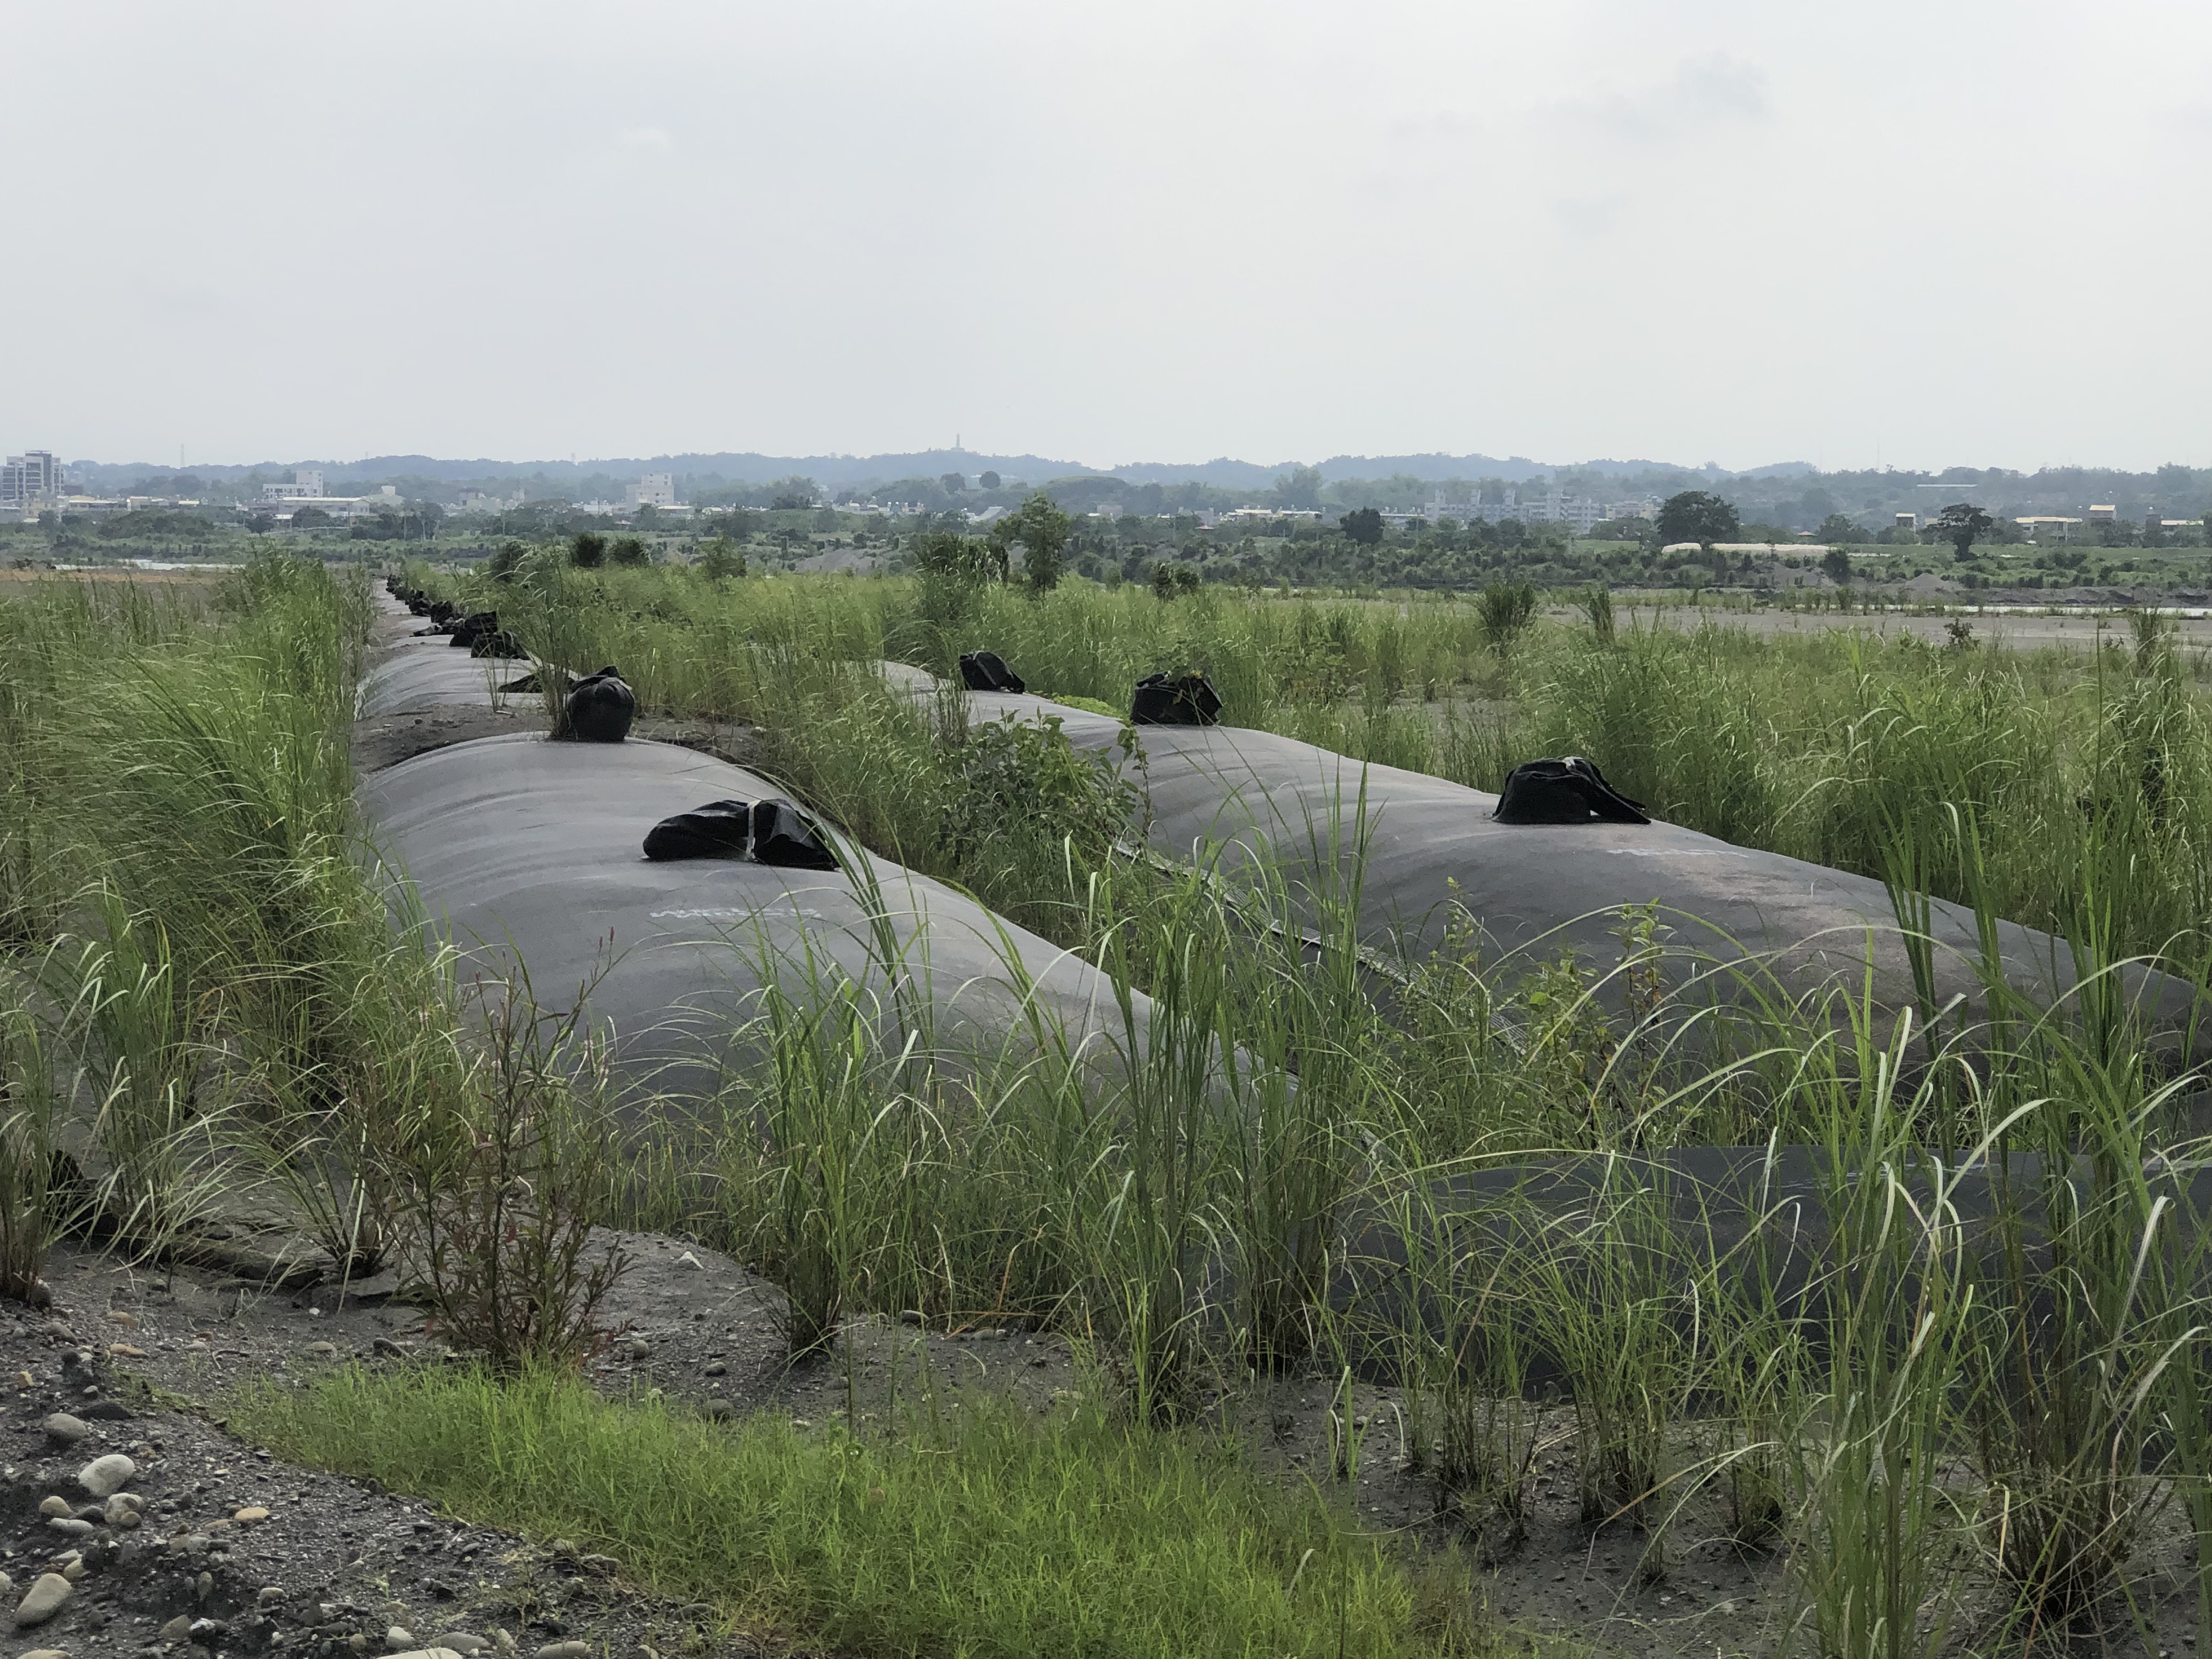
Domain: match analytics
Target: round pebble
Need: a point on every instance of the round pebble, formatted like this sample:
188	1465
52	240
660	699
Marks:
44	1600
398	1638
54	1505
251	1516
65	1429
105	1476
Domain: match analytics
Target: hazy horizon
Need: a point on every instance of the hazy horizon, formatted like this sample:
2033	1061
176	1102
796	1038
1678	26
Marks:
1713	232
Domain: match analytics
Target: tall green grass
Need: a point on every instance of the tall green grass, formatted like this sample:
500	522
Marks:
185	910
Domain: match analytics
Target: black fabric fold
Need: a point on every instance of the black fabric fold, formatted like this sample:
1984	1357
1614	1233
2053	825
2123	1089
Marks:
987	670
600	708
719	829
1184	700
783	835
1568	790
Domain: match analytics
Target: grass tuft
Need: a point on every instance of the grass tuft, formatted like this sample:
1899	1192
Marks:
975	1532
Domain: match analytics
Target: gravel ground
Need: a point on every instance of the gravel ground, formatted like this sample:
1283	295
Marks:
144	1361
232	1550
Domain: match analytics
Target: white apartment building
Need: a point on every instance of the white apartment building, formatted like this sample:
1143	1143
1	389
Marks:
28	479
656	490
1556	507
305	486
1582	512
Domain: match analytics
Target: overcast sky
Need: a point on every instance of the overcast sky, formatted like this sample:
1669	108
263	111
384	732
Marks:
1745	231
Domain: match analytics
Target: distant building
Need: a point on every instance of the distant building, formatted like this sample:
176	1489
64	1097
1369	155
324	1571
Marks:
28	479
1646	509
305	486
1556	507
1580	511
338	507
2103	514
2037	525
657	489
1469	512
1908	521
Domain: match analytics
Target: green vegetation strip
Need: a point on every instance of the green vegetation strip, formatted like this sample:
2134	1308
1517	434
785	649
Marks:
978	1532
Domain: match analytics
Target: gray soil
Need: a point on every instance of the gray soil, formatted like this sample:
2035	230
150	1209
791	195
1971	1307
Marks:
160	1351
145	1360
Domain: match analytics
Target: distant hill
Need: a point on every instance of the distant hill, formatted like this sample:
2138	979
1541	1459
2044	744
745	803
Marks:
841	472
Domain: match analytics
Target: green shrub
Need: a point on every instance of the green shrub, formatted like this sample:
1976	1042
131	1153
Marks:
1507	609
721	559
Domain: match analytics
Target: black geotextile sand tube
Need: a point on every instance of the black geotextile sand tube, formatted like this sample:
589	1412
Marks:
1740	926
419	674
1716	1233
535	849
412	675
